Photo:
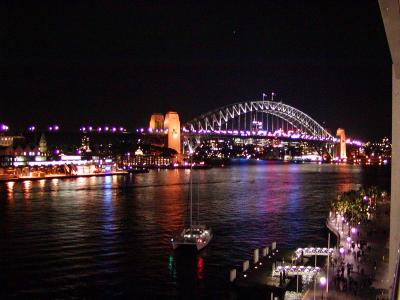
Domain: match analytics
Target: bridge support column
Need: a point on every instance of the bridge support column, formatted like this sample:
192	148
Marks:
341	147
173	125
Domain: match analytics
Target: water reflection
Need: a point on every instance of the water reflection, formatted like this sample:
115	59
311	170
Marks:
10	191
55	184
200	269
26	187
42	183
116	230
172	267
107	207
10	186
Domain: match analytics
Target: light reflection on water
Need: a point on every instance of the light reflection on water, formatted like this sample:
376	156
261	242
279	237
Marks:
99	237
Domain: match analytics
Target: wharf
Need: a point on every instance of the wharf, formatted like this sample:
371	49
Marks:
60	176
367	279
256	278
260	281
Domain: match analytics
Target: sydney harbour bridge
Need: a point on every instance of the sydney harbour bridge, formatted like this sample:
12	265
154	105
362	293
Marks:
244	120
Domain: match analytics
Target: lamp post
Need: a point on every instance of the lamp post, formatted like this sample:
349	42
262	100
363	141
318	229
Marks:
327	275
322	282
315	283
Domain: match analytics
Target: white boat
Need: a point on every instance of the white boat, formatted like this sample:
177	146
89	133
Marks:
198	236
195	235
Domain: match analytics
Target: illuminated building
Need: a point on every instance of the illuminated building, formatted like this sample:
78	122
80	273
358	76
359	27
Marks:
43	144
85	146
19	151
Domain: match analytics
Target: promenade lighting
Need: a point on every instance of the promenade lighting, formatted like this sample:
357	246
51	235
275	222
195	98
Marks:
3	127
322	282
53	128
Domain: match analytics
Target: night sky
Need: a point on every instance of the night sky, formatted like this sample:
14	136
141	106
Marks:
116	62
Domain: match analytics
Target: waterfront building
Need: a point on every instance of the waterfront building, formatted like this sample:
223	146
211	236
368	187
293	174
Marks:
43	144
20	150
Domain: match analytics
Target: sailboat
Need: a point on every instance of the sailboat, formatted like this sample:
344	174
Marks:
196	235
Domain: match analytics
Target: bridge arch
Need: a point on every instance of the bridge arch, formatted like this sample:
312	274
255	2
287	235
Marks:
214	120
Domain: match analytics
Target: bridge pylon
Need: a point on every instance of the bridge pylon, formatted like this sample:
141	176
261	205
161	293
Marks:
341	146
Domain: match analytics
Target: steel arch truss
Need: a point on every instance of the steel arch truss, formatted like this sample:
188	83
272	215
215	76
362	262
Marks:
215	119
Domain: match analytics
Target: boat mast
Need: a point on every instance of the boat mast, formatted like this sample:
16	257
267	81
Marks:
198	200
191	193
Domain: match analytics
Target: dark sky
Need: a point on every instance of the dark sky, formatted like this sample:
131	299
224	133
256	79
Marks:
116	62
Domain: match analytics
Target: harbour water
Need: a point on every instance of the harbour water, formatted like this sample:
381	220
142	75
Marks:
102	237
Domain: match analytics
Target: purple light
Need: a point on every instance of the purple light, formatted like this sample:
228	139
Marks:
56	127
353	230
99	129
341	250
50	128
106	128
322	281
114	129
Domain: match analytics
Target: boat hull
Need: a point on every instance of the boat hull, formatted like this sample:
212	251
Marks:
197	246
191	244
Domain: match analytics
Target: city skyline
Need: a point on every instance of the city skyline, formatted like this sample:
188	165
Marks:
200	150
117	64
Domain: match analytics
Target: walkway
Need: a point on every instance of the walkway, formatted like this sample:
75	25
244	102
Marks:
358	273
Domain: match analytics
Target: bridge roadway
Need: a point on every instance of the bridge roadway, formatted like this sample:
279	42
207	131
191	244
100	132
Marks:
254	135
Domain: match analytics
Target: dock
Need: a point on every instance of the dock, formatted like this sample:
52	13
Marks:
273	275
256	276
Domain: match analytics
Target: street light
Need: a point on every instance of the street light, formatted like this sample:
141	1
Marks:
322	282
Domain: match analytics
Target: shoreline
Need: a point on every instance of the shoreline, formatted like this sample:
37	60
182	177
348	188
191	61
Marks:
20	179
